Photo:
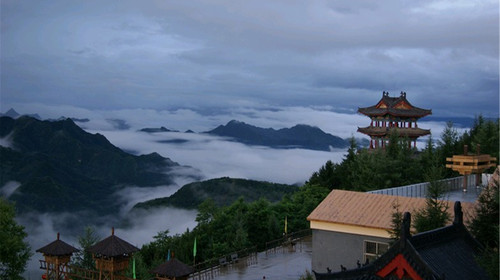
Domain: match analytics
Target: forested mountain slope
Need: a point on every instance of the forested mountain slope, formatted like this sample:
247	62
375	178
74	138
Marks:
223	191
63	168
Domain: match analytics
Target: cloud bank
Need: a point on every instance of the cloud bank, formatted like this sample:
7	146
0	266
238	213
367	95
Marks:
223	54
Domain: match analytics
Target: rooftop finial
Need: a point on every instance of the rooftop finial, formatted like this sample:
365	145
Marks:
385	93
112	230
405	228
58	236
459	214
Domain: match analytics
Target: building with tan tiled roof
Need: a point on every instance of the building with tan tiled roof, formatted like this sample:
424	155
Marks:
350	227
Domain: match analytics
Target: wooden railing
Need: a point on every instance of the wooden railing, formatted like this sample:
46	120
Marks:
71	272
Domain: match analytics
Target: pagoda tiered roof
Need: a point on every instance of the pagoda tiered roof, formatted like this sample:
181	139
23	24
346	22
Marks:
57	248
394	106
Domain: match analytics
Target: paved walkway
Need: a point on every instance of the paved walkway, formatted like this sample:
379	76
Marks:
285	263
470	195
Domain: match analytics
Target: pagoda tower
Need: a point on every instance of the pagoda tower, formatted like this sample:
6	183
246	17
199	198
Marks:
393	114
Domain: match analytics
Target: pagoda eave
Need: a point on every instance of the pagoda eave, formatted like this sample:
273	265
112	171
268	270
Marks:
385	131
403	114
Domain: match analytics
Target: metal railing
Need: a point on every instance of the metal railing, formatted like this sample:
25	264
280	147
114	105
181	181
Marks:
211	269
420	190
289	239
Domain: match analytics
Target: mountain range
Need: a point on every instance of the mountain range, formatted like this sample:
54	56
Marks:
14	114
61	167
299	136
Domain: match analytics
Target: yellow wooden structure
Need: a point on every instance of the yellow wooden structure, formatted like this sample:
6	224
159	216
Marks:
57	256
112	255
468	164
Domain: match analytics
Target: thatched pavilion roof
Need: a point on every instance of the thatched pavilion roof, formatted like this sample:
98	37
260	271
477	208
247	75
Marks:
173	268
57	248
113	246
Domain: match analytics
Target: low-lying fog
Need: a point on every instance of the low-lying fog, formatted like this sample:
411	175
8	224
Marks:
208	156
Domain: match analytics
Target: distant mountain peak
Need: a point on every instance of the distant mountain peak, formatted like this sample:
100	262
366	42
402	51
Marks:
12	113
235	122
154	129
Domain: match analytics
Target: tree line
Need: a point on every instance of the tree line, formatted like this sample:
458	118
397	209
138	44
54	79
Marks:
400	164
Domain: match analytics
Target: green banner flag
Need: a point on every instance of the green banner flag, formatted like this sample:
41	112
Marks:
133	267
194	248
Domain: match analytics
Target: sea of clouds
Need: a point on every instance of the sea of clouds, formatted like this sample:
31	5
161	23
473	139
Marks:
206	157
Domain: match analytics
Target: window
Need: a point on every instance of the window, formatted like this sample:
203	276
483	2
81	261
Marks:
373	250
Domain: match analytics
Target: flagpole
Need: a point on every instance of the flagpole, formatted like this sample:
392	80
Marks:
286	224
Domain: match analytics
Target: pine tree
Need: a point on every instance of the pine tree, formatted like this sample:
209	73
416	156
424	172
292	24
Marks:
435	213
485	226
83	258
396	222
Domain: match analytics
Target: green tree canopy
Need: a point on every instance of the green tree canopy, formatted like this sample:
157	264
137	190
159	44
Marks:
14	250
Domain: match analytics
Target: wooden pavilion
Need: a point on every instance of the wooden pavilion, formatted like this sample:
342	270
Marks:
112	255
393	114
172	270
57	255
468	164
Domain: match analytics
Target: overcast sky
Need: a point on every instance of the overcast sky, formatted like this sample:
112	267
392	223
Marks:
213	55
